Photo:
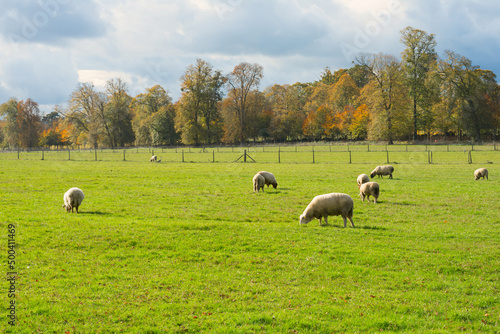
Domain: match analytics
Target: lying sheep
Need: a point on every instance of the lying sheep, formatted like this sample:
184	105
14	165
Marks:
153	158
73	198
481	173
270	179
369	189
258	182
362	178
333	204
382	170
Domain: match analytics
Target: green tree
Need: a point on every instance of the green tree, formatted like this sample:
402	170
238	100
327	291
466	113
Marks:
117	114
29	123
153	121
471	86
197	117
418	57
10	128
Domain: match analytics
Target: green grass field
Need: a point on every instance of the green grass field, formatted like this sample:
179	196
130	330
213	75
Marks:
189	248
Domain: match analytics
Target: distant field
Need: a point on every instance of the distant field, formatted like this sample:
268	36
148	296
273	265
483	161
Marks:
176	247
306	153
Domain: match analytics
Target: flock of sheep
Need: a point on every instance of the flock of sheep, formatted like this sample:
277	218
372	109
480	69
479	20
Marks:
339	204
321	206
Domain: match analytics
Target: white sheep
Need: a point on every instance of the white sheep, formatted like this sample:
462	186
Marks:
369	189
269	178
481	173
73	198
258	182
362	178
382	170
153	158
333	204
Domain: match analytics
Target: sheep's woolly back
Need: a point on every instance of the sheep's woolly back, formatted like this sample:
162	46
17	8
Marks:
362	178
258	182
369	189
334	204
73	198
269	178
382	170
481	173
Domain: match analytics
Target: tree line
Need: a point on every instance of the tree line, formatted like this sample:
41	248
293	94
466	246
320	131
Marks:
381	97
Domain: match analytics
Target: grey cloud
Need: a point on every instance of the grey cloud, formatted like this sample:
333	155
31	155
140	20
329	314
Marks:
50	21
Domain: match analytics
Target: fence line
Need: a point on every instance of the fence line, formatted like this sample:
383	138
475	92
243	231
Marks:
379	154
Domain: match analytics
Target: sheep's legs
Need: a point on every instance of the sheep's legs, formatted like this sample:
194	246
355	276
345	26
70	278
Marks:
345	222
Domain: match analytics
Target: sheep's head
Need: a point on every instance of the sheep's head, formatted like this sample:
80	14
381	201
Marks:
372	175
275	185
304	220
67	207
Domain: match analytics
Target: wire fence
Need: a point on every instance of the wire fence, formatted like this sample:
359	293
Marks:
336	154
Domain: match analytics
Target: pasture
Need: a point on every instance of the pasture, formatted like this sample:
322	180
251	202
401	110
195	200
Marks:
176	247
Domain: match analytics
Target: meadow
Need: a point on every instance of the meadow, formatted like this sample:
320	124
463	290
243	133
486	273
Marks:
176	247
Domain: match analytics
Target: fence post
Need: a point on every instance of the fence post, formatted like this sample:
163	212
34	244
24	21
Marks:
42	154
368	146
213	155
470	157
349	156
313	153
124	155
69	154
18	153
95	151
182	155
387	156
279	154
245	156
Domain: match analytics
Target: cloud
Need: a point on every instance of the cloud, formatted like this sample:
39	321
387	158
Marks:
50	21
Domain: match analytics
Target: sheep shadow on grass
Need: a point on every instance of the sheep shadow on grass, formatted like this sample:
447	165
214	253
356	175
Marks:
100	213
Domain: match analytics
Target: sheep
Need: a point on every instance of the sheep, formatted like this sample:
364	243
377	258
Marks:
73	198
481	173
258	182
362	178
333	204
382	170
270	179
369	189
153	158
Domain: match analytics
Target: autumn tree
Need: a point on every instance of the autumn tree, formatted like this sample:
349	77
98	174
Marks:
197	117
29	123
471	86
418	57
153	120
385	95
86	111
241	82
286	108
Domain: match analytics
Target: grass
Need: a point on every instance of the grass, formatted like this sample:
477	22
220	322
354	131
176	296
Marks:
183	247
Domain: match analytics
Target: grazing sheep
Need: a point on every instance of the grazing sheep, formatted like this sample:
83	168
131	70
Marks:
270	179
258	182
72	199
382	170
369	189
333	204
362	178
481	173
153	158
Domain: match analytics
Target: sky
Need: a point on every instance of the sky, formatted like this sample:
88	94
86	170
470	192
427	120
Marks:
48	47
